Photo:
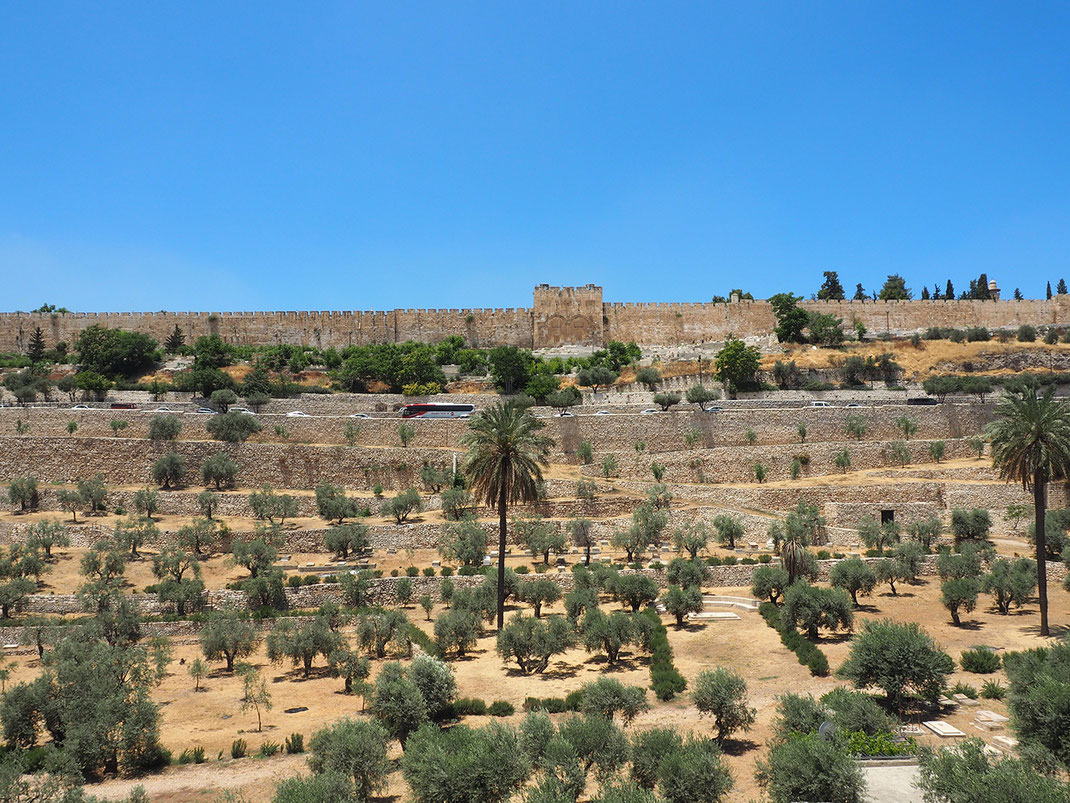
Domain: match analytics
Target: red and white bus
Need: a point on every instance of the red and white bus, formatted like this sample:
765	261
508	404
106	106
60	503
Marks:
437	410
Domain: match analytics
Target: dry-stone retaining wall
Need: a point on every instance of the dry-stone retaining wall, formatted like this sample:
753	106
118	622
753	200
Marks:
736	463
612	433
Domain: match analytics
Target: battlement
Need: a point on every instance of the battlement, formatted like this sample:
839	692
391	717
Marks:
558	316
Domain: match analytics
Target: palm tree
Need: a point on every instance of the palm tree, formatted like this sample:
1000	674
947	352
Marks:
505	452
1031	444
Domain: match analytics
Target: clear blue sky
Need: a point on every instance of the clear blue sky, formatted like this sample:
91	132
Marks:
347	155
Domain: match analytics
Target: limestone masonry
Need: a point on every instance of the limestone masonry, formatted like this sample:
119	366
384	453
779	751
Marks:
558	316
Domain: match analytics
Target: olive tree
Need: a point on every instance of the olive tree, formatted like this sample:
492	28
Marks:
722	694
899	658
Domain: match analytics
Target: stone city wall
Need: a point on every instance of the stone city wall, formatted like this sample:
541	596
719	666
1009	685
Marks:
558	316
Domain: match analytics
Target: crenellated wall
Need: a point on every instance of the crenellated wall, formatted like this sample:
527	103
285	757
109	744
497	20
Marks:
558	316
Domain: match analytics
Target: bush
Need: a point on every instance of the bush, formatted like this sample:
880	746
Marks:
469	707
268	749
806	767
965	689
239	748
501	708
1027	334
665	679
295	743
807	653
980	661
993	690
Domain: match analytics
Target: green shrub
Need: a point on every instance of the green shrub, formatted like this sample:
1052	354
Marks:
993	690
469	707
239	748
501	708
981	661
880	744
807	653
447	571
522	569
665	679
295	743
429	571
411	571
185	757
964	688
268	749
818	664
764	558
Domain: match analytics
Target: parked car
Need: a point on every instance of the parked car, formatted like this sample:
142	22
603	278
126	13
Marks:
297	414
603	412
164	410
649	411
820	404
82	407
852	404
242	410
714	409
207	411
359	415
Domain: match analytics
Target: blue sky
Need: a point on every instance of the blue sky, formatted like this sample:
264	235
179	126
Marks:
346	155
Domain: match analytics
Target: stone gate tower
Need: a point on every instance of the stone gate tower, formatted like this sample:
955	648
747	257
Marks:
567	316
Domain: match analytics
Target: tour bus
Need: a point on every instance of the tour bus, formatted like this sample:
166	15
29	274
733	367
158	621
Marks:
437	410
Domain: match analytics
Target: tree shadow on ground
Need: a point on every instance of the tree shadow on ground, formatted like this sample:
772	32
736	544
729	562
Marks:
968	624
560	670
297	675
1056	631
738	747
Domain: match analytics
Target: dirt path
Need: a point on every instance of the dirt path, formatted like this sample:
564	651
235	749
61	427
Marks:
253	778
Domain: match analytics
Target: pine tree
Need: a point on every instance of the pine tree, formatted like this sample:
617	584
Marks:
175	340
925	294
1049	291
860	294
973	290
983	293
1017	294
936	292
831	290
949	293
1060	288
36	349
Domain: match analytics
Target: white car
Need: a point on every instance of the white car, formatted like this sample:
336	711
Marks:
163	410
81	407
603	412
359	415
649	411
297	414
242	410
207	411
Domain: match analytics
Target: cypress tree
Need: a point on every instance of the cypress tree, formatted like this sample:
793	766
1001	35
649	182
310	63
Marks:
36	349
175	340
